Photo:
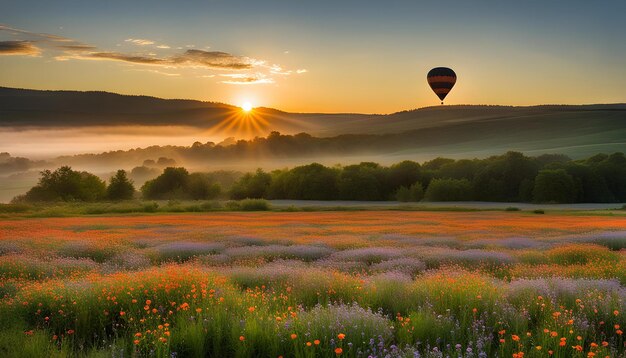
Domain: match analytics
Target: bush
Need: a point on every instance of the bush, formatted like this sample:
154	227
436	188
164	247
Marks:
413	193
248	205
449	190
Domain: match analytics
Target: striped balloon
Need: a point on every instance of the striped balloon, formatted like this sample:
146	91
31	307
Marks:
441	80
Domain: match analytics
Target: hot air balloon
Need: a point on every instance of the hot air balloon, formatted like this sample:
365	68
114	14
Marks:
441	80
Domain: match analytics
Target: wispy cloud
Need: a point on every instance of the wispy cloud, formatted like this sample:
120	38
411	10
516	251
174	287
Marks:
248	70
24	48
190	58
140	42
246	79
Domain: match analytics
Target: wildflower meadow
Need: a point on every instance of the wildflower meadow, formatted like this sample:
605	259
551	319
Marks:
314	284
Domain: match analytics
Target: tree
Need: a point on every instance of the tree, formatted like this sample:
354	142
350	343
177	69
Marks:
307	182
177	183
169	185
253	186
200	187
65	184
413	193
449	190
120	187
404	174
554	186
361	182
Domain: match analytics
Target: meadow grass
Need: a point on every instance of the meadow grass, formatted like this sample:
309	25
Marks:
313	284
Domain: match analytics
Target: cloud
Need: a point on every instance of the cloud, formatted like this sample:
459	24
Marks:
24	48
77	48
63	48
215	60
140	42
190	58
246	79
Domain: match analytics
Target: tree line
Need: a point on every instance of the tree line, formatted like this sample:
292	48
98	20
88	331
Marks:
511	177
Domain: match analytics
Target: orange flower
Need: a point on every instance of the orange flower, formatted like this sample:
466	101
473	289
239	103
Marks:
316	342
122	313
341	336
294	336
242	338
70	331
251	309
515	338
198	310
616	312
138	334
148	302
338	351
136	341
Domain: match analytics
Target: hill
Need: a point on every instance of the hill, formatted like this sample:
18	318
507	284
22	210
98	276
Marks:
47	109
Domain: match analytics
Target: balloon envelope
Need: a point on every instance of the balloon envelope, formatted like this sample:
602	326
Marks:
441	80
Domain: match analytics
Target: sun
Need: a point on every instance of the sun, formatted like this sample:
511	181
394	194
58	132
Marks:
246	106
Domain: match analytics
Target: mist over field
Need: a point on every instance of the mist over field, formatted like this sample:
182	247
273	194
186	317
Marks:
47	129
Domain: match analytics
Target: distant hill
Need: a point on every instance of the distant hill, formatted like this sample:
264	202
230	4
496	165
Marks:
34	108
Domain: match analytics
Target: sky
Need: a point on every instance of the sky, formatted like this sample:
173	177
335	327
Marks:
320	56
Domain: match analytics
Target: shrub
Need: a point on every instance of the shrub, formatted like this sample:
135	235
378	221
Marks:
248	205
449	190
414	193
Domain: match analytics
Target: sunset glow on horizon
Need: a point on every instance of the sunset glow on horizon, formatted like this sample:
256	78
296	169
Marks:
302	58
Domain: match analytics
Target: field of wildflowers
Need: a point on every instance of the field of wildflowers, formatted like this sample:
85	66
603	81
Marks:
314	284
